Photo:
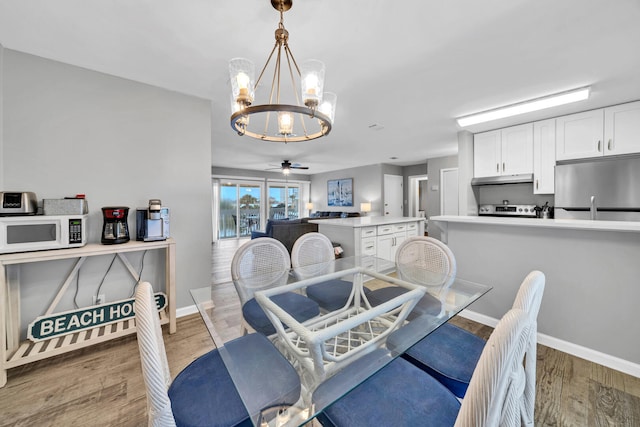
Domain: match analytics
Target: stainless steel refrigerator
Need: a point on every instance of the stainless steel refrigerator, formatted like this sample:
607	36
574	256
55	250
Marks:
606	188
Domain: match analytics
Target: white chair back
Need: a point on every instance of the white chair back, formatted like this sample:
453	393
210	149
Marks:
494	394
311	248
155	368
311	254
427	261
529	299
258	264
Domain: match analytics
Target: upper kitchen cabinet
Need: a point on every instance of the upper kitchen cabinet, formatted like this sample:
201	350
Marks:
486	153
622	129
579	136
507	151
544	156
603	132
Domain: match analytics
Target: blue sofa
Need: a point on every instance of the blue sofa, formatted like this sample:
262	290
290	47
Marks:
332	214
286	231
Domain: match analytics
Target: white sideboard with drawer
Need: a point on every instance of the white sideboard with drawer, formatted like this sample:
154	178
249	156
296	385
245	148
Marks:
375	236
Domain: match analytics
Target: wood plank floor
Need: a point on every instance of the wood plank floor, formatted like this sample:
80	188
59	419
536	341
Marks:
102	385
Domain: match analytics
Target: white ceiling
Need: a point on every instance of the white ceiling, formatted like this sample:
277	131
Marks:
410	67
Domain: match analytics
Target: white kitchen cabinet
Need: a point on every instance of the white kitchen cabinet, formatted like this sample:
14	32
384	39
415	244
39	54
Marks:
412	229
389	239
580	136
389	243
604	132
374	236
544	156
507	151
369	246
622	129
486	154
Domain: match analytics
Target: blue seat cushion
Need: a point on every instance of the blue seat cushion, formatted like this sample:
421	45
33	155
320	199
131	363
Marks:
256	234
428	304
204	394
298	306
382	295
399	394
332	294
450	354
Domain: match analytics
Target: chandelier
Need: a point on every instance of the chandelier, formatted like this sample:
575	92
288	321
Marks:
297	110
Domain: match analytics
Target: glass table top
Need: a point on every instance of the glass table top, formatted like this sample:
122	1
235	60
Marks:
365	334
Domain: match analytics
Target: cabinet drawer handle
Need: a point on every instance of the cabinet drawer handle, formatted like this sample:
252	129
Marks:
503	167
599	146
536	184
497	167
610	146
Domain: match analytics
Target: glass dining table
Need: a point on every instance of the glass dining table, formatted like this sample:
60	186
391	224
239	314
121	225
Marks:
388	310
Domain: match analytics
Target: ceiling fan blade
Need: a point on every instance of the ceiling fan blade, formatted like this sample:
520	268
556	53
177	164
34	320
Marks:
299	167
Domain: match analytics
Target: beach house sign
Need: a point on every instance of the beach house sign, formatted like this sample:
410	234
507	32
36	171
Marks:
46	327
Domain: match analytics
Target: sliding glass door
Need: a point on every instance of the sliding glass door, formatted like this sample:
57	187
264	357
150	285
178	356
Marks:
284	200
238	209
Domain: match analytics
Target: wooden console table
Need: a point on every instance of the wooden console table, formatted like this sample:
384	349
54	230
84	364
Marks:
14	353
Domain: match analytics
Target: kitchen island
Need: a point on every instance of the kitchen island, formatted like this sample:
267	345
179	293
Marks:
593	279
370	235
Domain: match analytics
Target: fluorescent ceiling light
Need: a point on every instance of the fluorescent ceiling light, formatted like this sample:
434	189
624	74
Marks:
526	107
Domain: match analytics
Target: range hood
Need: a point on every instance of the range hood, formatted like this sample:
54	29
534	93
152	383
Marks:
504	179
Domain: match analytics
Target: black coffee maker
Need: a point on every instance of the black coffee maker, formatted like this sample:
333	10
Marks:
115	228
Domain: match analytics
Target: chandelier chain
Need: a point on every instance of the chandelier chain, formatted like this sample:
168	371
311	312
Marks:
290	59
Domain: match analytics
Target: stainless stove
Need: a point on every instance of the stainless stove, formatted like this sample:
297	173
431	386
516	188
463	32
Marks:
508	210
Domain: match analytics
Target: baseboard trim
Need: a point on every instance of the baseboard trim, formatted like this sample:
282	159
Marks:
591	355
186	311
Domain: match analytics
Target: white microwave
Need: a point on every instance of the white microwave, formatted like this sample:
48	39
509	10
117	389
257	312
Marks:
42	232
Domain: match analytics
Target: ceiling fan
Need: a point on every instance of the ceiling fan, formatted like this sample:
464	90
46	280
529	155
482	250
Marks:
286	167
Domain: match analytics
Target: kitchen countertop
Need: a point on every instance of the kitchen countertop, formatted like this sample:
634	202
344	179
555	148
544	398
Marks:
365	221
573	224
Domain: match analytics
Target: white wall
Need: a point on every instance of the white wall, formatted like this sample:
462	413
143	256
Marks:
68	130
433	192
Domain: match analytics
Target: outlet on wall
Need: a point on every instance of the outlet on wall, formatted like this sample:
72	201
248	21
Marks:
100	299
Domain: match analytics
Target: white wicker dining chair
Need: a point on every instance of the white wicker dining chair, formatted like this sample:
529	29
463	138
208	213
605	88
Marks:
315	249
451	354
402	394
529	300
425	261
264	263
203	393
155	367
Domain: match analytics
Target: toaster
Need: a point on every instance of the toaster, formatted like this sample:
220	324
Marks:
18	203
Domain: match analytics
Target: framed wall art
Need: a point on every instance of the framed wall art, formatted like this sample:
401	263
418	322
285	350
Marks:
340	192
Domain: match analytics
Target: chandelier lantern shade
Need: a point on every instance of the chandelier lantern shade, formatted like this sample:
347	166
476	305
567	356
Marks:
328	105
312	79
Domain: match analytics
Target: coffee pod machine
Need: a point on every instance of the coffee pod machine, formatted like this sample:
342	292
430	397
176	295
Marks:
115	228
152	223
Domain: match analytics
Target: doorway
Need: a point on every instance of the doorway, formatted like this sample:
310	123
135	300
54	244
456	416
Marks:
393	206
449	191
284	200
417	194
238	208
